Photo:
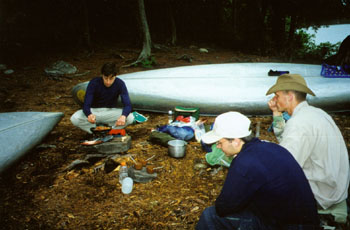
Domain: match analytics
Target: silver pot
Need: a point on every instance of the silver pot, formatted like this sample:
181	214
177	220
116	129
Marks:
177	148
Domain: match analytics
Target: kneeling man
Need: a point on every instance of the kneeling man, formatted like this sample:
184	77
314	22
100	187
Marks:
265	187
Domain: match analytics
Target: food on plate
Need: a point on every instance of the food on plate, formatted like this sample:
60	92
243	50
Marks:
102	128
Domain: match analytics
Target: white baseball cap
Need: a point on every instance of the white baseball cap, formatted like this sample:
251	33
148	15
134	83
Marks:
228	125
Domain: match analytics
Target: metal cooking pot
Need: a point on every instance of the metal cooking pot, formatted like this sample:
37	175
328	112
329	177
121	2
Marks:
177	148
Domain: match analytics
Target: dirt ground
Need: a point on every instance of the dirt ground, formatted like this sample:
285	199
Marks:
37	194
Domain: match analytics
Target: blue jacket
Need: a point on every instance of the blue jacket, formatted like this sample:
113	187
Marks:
265	179
99	96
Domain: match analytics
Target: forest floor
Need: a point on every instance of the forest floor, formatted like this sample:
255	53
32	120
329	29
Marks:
36	193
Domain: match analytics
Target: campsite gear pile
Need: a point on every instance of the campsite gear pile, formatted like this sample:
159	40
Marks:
184	125
109	140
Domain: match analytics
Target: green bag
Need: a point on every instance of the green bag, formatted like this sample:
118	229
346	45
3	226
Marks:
186	112
160	138
218	157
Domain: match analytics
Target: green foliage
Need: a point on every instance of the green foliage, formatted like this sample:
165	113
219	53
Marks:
327	49
148	63
306	48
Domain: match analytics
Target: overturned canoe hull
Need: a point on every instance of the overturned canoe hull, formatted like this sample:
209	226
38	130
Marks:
21	131
219	88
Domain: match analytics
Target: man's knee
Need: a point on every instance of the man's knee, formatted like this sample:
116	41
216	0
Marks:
78	117
74	119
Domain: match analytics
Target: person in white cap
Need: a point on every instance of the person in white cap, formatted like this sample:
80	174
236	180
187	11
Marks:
265	187
315	141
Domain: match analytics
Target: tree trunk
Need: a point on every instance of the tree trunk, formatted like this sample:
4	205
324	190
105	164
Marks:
291	42
234	18
263	12
278	26
173	25
218	23
3	31
145	54
86	32
147	42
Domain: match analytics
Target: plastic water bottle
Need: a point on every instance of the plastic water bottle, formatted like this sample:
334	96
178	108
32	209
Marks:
170	116
123	172
127	185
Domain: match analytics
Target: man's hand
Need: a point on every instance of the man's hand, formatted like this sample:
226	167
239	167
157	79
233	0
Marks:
273	106
92	118
121	121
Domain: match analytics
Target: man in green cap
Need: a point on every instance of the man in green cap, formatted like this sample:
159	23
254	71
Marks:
315	141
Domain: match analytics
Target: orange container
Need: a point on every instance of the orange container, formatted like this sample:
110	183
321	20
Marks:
138	166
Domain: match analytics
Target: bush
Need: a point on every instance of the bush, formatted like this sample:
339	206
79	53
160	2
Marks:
306	48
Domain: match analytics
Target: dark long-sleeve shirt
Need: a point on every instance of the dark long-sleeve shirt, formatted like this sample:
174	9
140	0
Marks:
99	96
265	176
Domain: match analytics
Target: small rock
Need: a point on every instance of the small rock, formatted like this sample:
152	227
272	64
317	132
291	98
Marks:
186	58
203	50
3	67
199	166
141	176
216	170
117	145
60	68
76	164
9	71
44	146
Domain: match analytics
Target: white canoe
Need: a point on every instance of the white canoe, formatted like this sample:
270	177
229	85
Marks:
21	131
218	88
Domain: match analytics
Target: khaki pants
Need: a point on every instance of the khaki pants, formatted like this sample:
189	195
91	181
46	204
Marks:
106	116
